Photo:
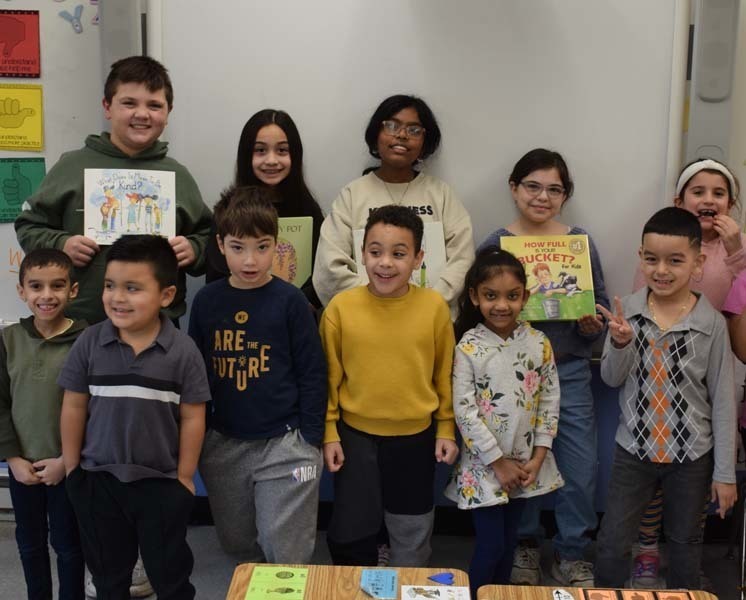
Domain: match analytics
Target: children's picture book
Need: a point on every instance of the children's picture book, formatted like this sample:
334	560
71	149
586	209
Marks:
294	253
433	245
128	201
434	592
558	270
288	583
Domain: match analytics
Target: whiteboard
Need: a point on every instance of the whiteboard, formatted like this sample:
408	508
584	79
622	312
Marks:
72	89
592	80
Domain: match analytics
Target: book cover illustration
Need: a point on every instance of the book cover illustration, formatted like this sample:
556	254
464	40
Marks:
434	592
128	201
558	271
433	245
293	259
287	583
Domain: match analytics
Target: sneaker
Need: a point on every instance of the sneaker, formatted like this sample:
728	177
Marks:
384	555
645	571
526	566
140	586
576	573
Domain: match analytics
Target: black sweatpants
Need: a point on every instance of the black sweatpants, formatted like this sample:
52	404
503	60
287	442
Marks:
115	518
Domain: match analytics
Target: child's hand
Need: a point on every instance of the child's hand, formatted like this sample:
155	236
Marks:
729	232
445	451
188	483
725	495
590	324
183	250
619	328
334	457
531	468
23	471
50	470
509	473
80	249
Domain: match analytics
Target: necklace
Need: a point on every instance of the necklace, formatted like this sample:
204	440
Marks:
682	311
68	324
401	199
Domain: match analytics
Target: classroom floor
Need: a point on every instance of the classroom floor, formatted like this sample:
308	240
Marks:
213	569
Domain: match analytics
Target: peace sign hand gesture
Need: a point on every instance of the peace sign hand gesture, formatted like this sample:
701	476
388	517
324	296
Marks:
619	328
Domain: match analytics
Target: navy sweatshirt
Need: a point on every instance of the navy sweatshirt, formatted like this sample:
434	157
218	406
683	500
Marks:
264	360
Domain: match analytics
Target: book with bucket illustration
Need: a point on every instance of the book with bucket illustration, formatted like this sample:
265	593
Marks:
558	270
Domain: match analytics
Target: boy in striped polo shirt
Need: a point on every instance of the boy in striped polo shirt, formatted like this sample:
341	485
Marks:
133	420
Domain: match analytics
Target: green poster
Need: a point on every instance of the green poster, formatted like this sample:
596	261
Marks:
19	178
294	255
285	583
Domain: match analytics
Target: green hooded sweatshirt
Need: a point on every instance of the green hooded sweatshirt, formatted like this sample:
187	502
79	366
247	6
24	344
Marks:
55	213
30	399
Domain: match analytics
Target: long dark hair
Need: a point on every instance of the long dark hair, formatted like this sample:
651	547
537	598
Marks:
489	262
292	191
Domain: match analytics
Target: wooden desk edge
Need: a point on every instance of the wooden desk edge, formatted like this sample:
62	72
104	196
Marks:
242	576
527	592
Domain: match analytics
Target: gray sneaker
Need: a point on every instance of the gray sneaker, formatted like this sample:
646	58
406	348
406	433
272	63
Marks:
526	566
576	573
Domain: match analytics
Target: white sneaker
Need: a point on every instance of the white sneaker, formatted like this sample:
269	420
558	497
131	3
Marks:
140	586
526	566
576	573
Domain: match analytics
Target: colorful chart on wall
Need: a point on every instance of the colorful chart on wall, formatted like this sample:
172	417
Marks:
19	39
21	117
19	178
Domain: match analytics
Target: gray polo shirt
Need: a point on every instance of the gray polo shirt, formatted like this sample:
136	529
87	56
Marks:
132	429
678	399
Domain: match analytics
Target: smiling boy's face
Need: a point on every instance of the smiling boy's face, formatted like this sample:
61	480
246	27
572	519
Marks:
138	116
389	257
46	290
668	263
133	298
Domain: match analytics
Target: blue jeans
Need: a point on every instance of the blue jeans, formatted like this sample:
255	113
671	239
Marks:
496	529
633	483
45	512
575	451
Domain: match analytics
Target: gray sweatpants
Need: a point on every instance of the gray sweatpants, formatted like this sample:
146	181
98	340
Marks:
263	495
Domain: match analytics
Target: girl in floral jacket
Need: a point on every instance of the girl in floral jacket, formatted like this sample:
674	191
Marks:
506	401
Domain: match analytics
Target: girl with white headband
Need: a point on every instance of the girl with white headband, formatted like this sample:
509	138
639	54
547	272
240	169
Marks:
709	190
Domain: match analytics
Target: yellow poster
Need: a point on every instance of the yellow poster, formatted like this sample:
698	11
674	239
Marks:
21	117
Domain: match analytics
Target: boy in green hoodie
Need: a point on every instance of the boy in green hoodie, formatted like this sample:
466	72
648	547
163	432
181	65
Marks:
31	356
138	98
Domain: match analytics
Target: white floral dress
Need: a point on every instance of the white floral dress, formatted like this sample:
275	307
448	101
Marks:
506	399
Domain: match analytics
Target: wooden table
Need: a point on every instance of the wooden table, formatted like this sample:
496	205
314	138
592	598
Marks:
327	582
526	592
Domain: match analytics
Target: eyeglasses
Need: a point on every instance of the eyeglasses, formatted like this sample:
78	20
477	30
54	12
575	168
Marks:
394	127
534	188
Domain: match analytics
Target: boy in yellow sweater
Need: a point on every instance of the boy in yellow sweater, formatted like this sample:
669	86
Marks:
389	347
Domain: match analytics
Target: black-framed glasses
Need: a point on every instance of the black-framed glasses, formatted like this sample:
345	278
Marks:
534	188
393	127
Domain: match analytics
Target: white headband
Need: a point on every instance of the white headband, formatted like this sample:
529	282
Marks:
701	165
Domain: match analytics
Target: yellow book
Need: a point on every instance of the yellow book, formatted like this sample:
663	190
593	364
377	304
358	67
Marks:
558	270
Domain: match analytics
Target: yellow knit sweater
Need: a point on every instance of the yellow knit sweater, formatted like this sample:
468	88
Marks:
389	363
